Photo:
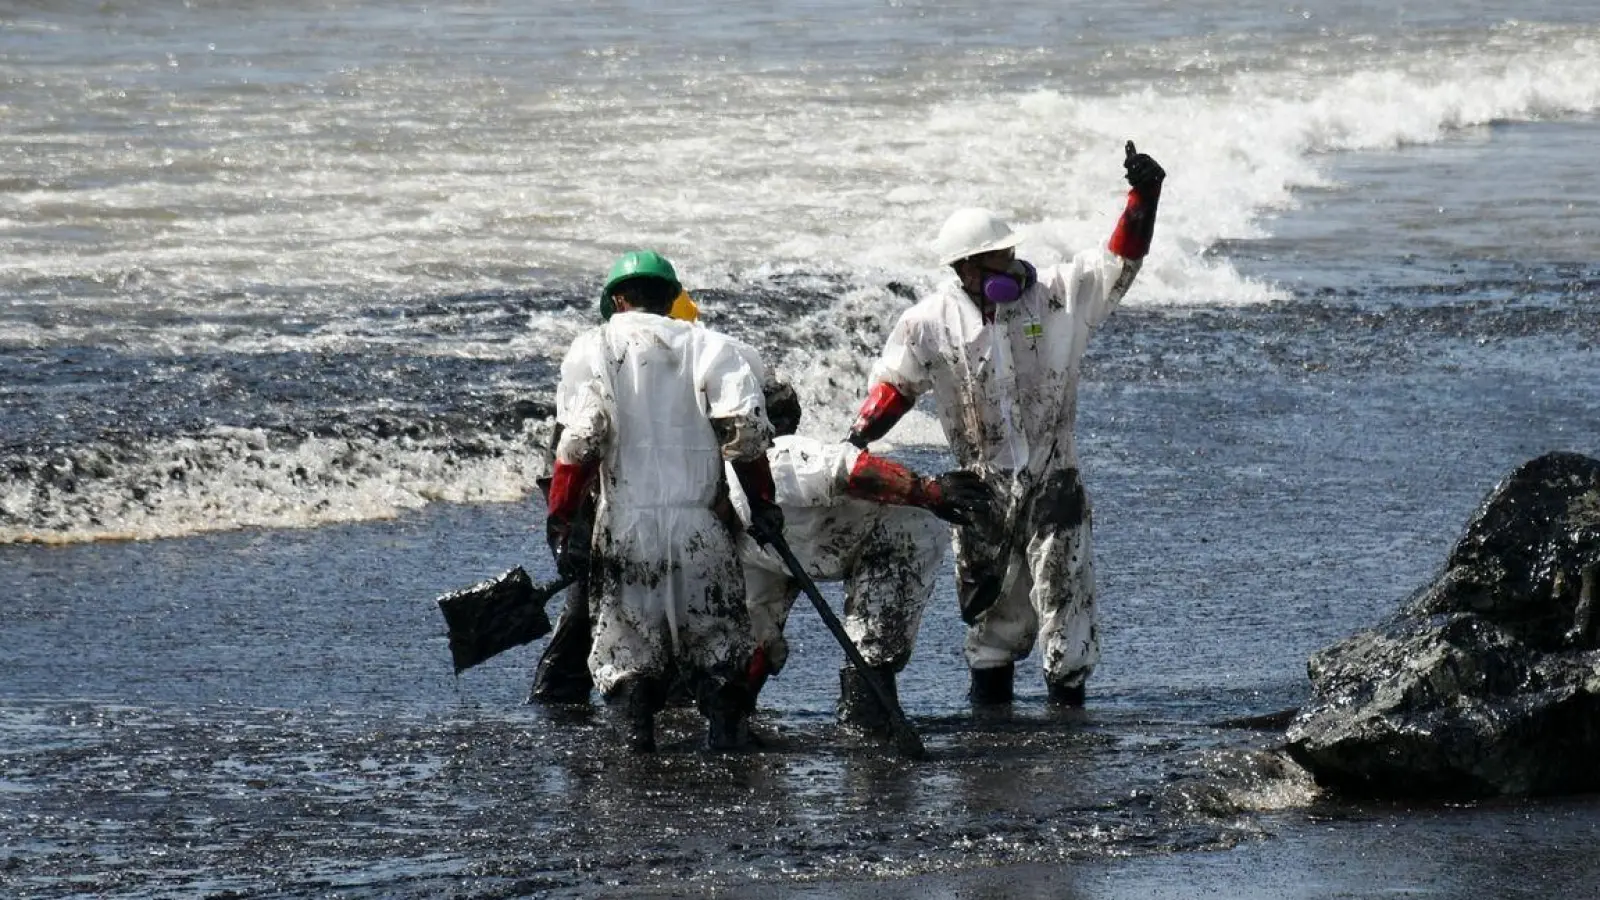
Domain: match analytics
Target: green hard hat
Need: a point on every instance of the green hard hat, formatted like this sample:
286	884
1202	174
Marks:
635	264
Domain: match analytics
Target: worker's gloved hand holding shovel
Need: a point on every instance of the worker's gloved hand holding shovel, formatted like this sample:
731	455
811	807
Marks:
766	517
569	544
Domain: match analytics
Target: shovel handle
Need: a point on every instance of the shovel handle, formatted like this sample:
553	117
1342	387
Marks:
906	739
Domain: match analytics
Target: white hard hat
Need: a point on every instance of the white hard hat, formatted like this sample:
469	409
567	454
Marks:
971	231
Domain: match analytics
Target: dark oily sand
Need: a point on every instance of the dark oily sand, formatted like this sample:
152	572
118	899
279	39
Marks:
143	801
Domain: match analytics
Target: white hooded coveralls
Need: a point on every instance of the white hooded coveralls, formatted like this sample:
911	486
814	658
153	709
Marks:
887	556
1007	396
638	394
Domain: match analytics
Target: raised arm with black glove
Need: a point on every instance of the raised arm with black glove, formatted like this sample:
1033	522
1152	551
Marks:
1131	240
957	496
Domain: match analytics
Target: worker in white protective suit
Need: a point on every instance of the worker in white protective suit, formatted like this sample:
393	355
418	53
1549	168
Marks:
561	675
853	517
652	407
1000	346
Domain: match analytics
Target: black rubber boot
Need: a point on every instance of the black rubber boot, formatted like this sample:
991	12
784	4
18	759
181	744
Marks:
1068	691
1062	695
727	730
726	703
858	705
992	687
636	702
680	688
757	682
562	675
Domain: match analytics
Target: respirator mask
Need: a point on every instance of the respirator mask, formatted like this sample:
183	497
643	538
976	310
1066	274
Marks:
1002	286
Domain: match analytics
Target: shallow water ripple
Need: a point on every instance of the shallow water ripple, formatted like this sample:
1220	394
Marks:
146	802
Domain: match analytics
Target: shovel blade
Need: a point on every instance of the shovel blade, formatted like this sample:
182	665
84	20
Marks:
493	616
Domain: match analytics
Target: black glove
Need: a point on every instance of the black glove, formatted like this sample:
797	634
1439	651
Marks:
766	520
978	588
569	544
1143	173
963	498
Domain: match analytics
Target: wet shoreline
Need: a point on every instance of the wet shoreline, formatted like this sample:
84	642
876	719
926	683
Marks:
280	803
272	712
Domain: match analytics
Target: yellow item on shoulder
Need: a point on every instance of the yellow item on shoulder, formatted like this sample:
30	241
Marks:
684	308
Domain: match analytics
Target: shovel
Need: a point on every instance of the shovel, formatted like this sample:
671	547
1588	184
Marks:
496	615
906	740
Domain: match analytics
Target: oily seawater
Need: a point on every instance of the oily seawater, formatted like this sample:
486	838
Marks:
285	292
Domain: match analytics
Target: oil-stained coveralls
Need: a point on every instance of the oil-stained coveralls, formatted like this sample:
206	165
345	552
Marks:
637	400
845	522
562	672
1000	350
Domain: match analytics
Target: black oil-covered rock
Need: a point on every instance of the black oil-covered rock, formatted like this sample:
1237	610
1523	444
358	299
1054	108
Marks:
1487	682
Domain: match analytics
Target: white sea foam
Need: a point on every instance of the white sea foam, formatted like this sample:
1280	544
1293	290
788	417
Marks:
732	172
233	478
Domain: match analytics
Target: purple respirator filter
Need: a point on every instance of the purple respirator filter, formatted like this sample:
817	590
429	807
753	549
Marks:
1006	287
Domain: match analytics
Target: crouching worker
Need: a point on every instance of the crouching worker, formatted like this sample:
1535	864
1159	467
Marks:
652	407
863	520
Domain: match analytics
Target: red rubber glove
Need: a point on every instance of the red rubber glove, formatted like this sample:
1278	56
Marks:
569	484
958	497
884	406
